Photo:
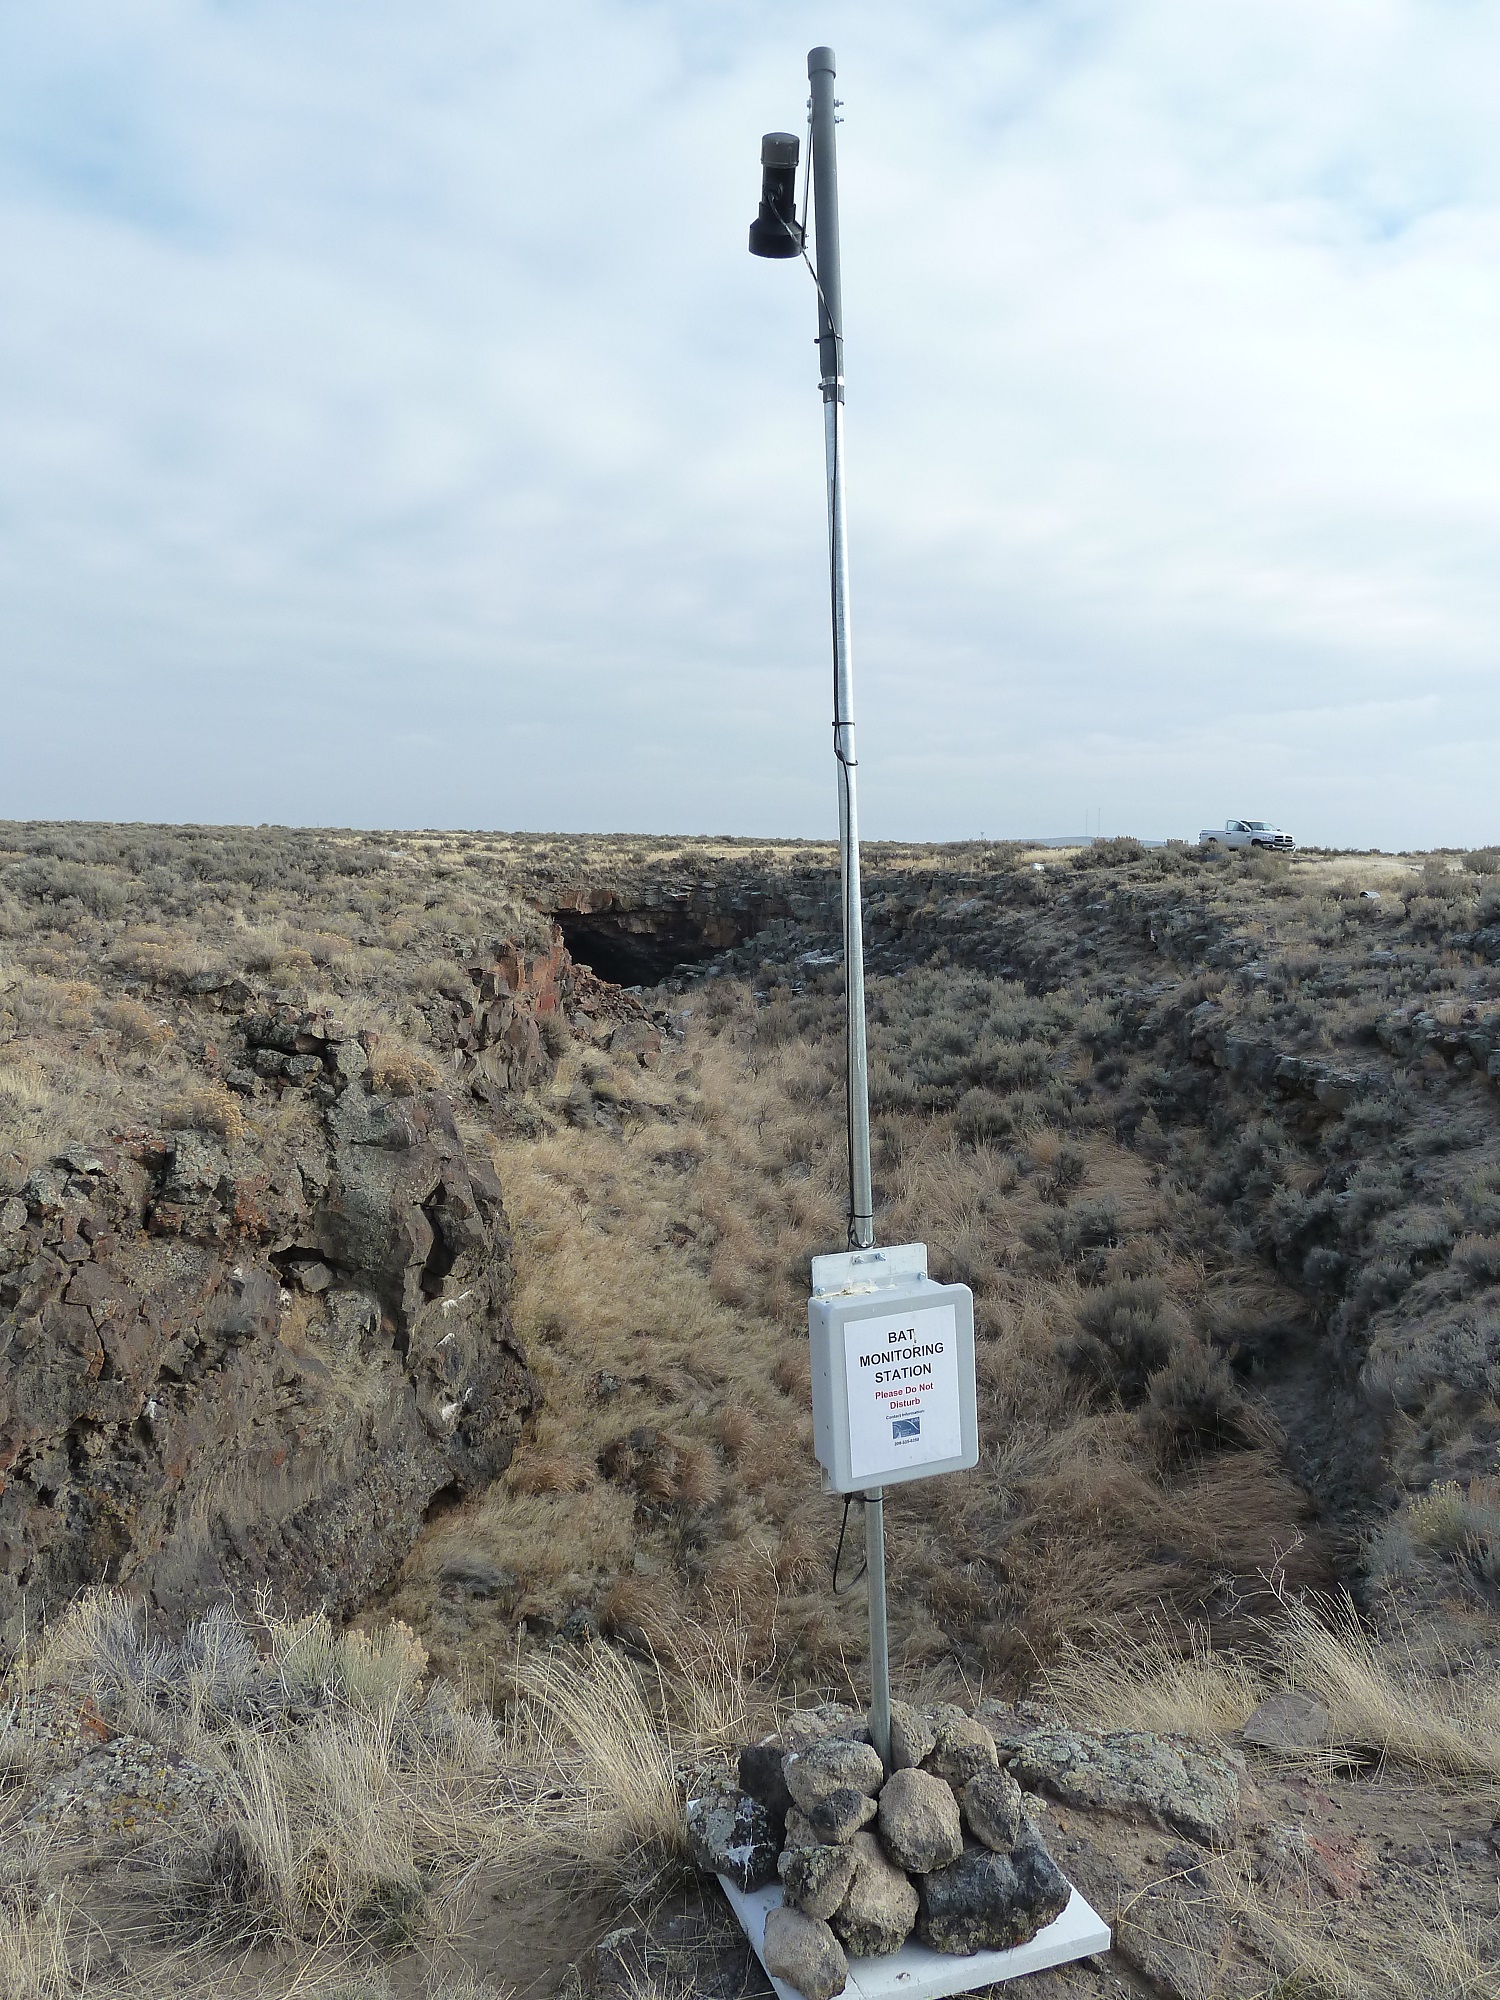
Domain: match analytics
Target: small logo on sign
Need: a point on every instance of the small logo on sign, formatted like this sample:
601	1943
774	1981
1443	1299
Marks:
904	1430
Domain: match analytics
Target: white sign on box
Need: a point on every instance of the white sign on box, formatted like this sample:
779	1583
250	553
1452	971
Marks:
902	1376
892	1370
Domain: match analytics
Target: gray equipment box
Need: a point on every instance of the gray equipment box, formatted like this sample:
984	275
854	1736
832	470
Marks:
892	1370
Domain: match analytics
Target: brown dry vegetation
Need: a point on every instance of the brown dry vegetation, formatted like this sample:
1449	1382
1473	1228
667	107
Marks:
364	1831
662	1272
109	934
1239	1340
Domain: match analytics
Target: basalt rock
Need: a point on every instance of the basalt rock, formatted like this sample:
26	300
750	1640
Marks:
913	1735
817	1879
989	1902
804	1952
992	1810
876	1916
919	1824
1289	1722
962	1750
175	1418
1176	1783
762	1776
838	1817
832	1764
729	1833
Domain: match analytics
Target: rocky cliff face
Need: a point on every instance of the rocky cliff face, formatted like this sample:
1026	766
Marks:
638	929
226	1366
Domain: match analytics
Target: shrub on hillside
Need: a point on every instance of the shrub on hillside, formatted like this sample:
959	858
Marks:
1117	852
982	1117
1124	1337
50	881
1459	1353
1453	1524
205	1107
1195	1405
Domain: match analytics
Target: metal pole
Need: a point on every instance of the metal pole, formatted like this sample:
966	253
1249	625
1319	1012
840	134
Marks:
880	1662
820	72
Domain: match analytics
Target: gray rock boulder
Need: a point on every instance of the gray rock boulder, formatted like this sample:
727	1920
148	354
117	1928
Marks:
962	1750
877	1915
761	1772
816	1880
989	1902
913	1736
919	1822
840	1816
1289	1722
806	1726
1168	1779
731	1834
992	1810
829	1765
804	1952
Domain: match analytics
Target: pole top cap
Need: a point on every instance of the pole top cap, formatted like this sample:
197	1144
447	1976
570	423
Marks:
780	149
821	59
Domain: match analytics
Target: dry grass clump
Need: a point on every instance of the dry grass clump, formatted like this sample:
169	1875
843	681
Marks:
224	1669
39	1956
351	1792
330	1833
613	1804
205	1107
359	1806
403	1069
1385	1701
1440	1950
1155	1682
47	1946
611	1741
1451	1533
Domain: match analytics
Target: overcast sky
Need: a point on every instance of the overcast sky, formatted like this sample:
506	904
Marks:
395	431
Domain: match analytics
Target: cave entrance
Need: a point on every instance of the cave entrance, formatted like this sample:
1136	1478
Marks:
636	952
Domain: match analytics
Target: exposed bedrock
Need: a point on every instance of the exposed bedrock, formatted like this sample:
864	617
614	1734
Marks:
226	1364
638	933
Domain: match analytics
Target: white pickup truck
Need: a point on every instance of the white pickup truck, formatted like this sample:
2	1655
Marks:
1247	833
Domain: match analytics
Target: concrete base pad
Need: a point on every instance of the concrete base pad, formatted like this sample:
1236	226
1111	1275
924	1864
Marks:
915	1973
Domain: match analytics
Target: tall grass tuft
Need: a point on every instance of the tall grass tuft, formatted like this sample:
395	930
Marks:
1386	1705
1153	1683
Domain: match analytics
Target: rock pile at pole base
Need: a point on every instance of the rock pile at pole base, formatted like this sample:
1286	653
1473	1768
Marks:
942	1847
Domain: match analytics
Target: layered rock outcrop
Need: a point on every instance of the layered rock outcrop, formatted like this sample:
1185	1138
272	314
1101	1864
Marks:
227	1364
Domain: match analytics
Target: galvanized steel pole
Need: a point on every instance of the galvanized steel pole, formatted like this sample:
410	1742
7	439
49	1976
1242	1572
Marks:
825	178
820	70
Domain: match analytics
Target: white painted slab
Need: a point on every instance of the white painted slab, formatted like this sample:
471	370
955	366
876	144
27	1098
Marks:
915	1973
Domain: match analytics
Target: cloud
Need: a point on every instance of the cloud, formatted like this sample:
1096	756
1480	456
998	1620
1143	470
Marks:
397	431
